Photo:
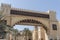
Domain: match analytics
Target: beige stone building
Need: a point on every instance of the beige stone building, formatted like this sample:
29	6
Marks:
47	27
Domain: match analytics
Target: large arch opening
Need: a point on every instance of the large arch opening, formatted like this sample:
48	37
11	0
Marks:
25	24
31	22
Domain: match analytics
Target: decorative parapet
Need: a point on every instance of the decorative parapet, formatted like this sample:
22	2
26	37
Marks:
52	15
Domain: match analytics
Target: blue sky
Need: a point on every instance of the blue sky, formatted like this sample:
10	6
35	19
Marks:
39	5
21	27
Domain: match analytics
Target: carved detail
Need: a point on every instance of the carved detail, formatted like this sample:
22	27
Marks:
15	12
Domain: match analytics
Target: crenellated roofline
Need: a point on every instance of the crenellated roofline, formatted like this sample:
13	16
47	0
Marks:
26	10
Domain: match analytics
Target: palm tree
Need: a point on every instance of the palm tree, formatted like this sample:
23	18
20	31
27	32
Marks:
3	26
15	33
27	33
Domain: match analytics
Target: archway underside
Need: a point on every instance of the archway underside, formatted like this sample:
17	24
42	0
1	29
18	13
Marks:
31	22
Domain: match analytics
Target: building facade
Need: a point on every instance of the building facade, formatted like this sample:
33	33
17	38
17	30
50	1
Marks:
47	27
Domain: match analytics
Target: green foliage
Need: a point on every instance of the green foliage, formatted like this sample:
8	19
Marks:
3	27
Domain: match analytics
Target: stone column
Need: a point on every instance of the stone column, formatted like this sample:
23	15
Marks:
10	36
35	33
42	33
46	36
39	33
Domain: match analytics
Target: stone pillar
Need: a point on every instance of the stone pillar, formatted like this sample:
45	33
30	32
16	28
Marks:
42	33
39	33
10	36
35	33
46	36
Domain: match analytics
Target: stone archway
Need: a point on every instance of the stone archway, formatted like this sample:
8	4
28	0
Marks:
12	15
36	23
31	22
